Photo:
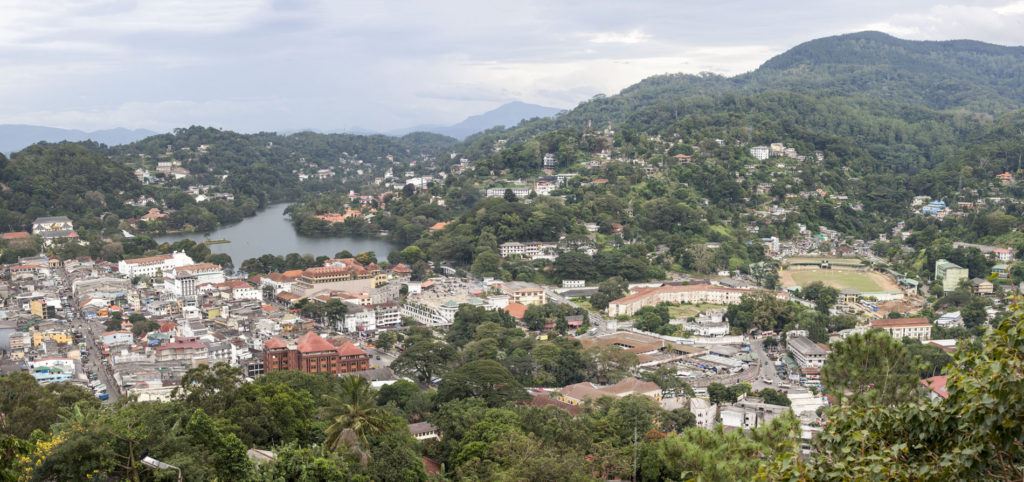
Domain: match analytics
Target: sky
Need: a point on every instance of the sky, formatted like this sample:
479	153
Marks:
331	65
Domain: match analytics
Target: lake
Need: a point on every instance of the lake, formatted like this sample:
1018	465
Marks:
270	232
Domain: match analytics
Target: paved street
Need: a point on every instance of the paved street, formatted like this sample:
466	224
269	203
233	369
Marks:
93	333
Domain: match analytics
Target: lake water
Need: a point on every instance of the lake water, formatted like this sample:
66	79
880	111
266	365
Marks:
270	232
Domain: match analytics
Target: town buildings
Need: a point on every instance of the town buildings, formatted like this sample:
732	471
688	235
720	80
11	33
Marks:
577	394
311	353
899	328
696	293
345	274
151	265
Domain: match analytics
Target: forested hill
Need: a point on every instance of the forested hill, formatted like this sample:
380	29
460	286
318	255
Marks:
949	75
61	179
955	74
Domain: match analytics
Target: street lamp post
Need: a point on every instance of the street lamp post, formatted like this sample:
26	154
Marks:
156	464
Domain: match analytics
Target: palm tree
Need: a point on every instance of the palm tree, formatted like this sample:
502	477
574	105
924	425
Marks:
355	414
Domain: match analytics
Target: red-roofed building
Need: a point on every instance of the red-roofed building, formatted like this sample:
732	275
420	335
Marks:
937	385
311	353
400	270
439	226
16	235
516	310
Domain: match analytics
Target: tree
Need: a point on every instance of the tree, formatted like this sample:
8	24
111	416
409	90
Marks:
871	369
974	314
354	411
114	323
717	454
484	379
668	380
966	436
425	360
366	257
335	310
510	196
386	340
719	393
486	263
26	406
774	397
822	295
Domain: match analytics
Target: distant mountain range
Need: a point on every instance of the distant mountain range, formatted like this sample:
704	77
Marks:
15	137
508	115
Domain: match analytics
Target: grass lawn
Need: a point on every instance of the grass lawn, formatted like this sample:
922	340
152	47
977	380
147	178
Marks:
839	279
584	303
686	311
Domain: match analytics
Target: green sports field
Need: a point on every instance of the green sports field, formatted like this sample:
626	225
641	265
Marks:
863	281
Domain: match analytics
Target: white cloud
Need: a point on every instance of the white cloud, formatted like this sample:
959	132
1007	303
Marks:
1016	8
632	37
1000	22
271	64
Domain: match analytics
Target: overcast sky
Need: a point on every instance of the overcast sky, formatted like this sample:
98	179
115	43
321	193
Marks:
252	65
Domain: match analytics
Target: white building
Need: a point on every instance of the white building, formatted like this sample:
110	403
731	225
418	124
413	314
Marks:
806	352
951	319
520	192
549	161
708	324
899	328
120	337
359	319
386	315
151	265
203	275
530	249
760	152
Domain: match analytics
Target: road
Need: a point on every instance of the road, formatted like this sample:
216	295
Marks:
765	367
93	333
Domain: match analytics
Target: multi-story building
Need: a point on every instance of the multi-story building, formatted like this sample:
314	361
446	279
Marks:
806	352
523	293
120	337
151	265
345	274
386	315
311	353
193	352
59	337
899	328
749	414
950	273
358	319
697	293
201	277
760	152
520	192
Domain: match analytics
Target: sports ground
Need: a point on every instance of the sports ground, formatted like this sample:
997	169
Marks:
863	281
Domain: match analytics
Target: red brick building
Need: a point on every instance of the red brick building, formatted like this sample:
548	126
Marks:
313	354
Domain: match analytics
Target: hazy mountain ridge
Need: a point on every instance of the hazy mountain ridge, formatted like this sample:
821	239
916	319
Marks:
15	137
508	115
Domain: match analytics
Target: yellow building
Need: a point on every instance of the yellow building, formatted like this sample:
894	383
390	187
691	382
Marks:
36	307
58	337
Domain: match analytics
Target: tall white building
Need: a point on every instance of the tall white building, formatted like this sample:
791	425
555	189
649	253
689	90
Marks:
760	152
151	265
